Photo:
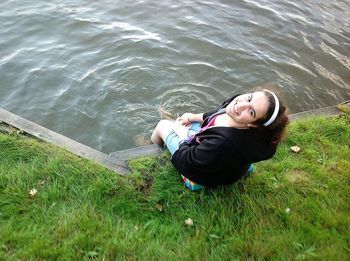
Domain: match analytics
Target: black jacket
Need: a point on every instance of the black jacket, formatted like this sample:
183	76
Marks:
221	155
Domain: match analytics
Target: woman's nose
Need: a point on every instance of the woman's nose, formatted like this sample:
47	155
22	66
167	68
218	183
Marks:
243	105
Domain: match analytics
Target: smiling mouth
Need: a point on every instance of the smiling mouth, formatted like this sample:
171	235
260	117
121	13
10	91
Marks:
235	110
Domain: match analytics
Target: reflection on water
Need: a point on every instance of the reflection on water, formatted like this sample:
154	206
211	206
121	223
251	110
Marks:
101	72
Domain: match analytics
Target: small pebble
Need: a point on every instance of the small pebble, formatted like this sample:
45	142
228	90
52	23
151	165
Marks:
159	207
33	192
189	222
295	149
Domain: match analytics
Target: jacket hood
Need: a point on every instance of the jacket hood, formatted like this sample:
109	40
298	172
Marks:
249	143
252	145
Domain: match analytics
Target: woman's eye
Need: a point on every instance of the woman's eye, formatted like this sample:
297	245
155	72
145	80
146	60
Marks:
249	97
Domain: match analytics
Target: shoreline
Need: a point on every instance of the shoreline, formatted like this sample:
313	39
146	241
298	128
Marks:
117	161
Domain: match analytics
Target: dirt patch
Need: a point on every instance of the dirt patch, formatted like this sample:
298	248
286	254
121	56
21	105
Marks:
146	187
298	177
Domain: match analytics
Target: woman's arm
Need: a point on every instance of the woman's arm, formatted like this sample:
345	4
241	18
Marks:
194	161
188	118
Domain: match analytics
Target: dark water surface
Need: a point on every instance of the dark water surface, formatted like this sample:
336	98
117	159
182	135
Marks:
98	71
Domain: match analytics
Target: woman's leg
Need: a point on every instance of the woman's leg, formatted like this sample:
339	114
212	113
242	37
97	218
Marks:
162	130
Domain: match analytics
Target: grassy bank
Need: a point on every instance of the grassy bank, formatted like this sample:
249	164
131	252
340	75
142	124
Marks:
295	206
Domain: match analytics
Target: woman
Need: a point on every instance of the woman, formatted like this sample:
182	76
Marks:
218	147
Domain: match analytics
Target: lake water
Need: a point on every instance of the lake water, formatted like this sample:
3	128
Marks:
100	71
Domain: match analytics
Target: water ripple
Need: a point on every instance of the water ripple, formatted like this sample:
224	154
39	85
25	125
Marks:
329	75
106	68
142	34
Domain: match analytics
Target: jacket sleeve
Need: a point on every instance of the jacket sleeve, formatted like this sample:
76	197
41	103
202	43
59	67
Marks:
192	159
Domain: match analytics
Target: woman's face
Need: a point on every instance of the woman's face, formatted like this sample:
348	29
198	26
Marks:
247	108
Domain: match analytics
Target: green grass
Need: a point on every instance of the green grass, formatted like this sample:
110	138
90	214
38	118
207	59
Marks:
83	211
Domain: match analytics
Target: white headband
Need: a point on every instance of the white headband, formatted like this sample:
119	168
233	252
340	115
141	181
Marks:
275	112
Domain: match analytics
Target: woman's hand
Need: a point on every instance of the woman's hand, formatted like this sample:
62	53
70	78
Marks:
181	129
187	118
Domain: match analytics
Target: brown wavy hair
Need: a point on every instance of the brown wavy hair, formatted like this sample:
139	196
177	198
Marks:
277	130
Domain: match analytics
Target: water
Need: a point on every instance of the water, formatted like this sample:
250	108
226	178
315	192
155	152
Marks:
98	71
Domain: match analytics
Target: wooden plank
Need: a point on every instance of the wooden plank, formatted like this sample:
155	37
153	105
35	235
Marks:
111	162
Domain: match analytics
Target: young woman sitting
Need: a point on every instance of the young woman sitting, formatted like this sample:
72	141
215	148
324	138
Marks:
218	147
